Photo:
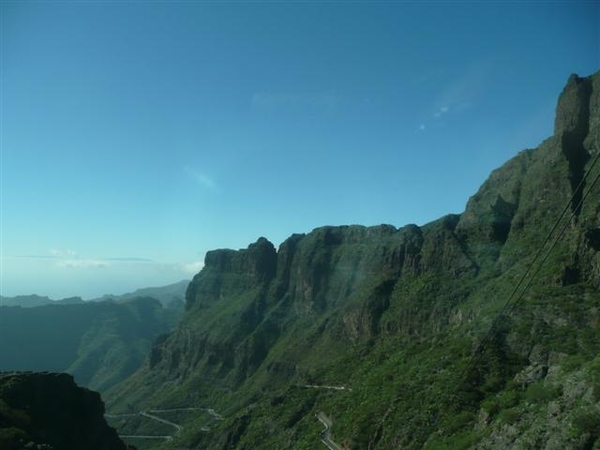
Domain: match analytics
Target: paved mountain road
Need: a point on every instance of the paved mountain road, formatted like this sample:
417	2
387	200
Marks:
177	427
151	414
325	435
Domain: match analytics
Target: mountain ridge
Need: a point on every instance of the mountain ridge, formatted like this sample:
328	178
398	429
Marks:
397	314
169	295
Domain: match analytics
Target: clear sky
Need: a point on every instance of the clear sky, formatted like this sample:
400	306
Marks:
137	135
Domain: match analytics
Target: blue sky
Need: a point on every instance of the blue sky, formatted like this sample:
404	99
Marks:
135	136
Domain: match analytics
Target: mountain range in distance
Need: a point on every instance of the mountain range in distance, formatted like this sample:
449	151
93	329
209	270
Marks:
166	295
99	342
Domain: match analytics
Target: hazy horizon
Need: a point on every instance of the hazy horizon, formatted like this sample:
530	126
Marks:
106	294
136	136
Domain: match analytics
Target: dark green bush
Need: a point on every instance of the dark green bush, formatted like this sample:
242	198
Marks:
540	393
587	421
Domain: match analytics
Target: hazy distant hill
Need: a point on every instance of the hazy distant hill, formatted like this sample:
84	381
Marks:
31	301
171	295
100	343
384	333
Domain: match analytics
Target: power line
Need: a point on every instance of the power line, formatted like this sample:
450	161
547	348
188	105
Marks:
579	204
508	308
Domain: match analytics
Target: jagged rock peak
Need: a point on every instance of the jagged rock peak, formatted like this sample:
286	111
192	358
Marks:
226	271
573	108
511	194
347	234
259	258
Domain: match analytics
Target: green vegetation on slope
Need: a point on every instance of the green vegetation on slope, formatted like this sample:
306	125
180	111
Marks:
401	319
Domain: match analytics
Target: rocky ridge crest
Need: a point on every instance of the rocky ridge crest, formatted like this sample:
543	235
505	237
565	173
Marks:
398	312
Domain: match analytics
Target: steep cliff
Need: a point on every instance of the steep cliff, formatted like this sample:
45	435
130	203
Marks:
401	319
49	411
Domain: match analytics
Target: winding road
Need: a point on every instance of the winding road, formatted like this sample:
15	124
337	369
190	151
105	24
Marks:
151	414
177	427
320	386
140	436
325	435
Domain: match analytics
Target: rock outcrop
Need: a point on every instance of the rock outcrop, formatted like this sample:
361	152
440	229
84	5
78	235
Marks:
49	411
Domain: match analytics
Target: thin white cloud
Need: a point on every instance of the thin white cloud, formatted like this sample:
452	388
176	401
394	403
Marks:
193	267
441	111
467	88
432	76
70	259
463	92
62	253
129	259
82	263
282	100
201	178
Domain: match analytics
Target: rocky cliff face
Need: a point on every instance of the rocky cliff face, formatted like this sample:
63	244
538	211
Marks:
400	315
49	411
